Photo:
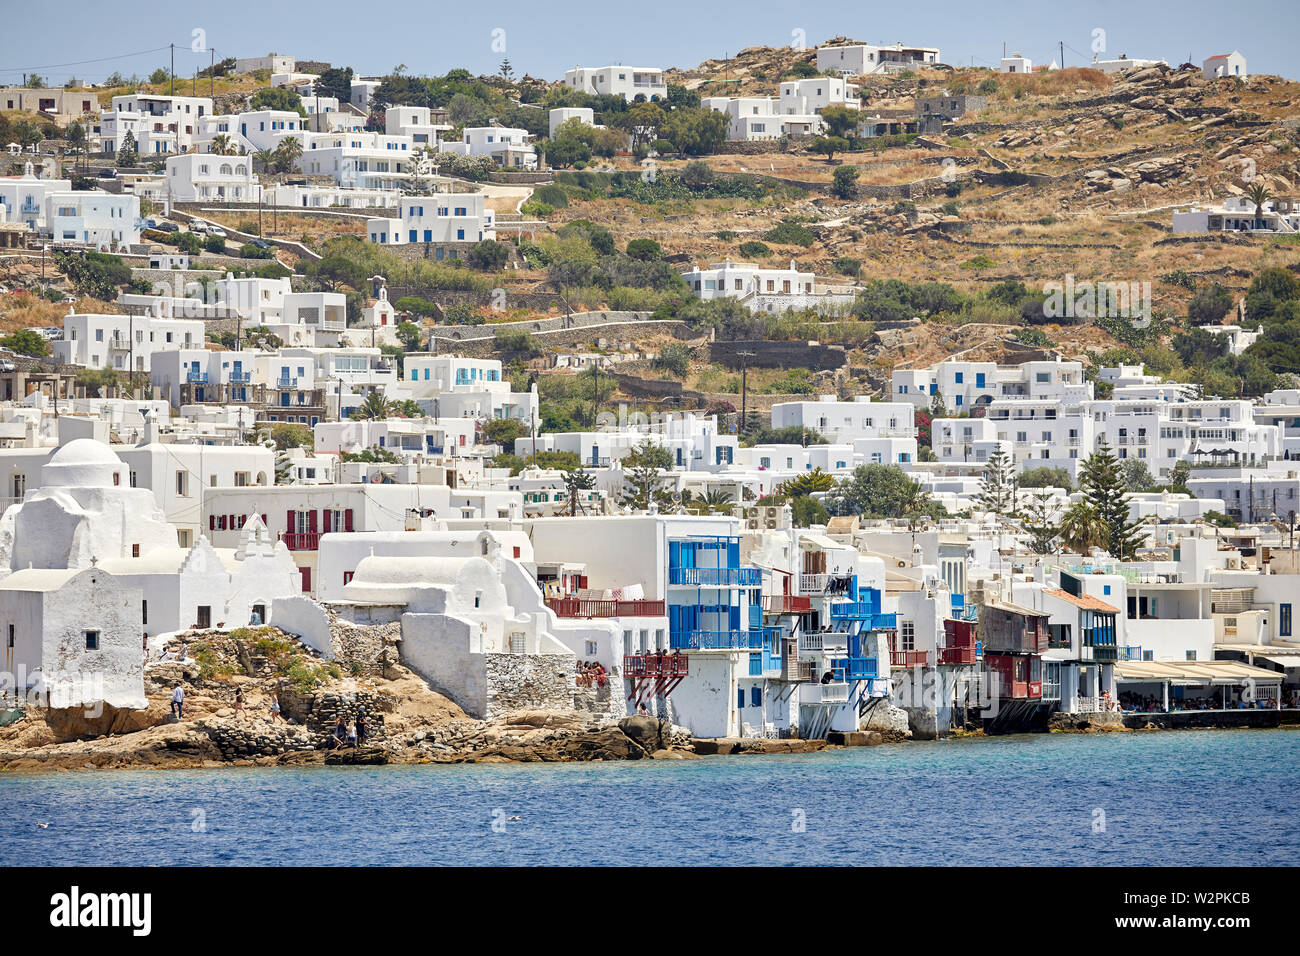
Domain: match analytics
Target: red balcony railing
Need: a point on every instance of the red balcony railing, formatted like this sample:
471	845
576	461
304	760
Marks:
957	654
301	540
654	675
909	658
786	604
596	607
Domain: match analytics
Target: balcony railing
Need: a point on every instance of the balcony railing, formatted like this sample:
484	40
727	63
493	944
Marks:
301	540
716	577
786	604
1130	652
1103	652
812	642
957	654
596	607
836	693
738	640
656	665
196	378
855	668
909	658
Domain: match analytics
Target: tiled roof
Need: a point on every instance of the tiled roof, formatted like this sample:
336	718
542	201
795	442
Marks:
1087	601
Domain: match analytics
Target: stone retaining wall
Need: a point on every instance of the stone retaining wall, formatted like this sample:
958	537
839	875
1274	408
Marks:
528	682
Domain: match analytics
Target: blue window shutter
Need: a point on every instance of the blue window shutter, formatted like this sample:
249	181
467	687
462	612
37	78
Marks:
740	698
756	696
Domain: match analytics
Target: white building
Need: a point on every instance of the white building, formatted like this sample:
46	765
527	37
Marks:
1238	214
453	386
806	96
765	290
122	341
160	124
209	177
760	117
91	217
963	385
558	117
1224	64
415	122
439	218
1123	64
629	82
509	148
273	62
850	421
862	59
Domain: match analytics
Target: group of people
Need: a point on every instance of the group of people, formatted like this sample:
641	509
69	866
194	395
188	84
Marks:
1148	704
591	674
348	734
167	654
178	704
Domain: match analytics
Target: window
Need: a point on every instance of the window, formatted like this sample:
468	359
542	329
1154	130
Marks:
92	640
740	698
591	649
204	614
1191	655
11	635
1284	620
756	697
183	484
135	551
907	635
144	612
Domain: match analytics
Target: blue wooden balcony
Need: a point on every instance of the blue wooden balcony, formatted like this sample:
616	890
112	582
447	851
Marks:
716	577
1130	652
855	668
746	639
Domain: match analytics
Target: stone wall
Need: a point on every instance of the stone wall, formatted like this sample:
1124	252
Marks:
810	355
576	320
600	337
528	682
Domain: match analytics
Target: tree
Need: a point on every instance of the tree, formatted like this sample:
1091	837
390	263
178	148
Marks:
575	483
126	154
280	98
264	158
1081	528
641	122
503	432
642	481
77	139
845	182
697	174
563	153
409	334
488	255
100	379
1136	475
188	243
373	407
223	145
878	491
804	485
1258	193
1102	483
998	485
287	154
645	250
1045	477
840	121
696	131
1039	519
1209	305
830	145
26	342
335	82
806	511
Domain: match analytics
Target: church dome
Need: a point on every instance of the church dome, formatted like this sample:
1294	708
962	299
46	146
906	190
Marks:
82	463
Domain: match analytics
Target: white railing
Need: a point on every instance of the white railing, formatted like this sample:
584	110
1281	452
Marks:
835	693
812	642
812	583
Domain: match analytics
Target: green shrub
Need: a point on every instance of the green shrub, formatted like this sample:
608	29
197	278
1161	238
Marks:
753	249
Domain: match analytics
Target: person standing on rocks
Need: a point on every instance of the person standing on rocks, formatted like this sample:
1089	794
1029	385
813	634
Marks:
178	702
340	735
239	702
352	735
361	727
275	708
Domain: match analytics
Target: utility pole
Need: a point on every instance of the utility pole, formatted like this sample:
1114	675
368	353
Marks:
173	68
212	73
744	390
1062	45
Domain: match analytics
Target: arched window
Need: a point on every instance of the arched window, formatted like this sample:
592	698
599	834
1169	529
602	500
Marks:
225	169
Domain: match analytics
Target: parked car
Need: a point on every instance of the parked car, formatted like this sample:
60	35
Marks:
6	365
217	231
198	228
109	173
149	224
168	227
260	243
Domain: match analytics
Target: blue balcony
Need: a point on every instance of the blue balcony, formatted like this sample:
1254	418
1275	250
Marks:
1130	652
716	577
196	378
864	611
241	378
855	668
748	639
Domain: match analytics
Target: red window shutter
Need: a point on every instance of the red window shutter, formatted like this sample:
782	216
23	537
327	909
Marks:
289	525
516	551
347	576
212	522
306	579
347	520
221	522
243	520
265	522
327	518
311	522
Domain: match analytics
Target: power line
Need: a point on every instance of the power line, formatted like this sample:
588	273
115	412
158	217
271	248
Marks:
102	59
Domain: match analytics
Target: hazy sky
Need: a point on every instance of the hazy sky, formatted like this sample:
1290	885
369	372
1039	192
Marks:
57	39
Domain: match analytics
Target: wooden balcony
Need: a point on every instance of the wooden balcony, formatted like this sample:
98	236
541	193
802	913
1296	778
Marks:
597	607
301	541
786	604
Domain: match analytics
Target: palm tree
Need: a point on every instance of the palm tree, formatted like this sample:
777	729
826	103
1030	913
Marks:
1258	194
373	408
264	158
223	145
1082	528
716	499
287	153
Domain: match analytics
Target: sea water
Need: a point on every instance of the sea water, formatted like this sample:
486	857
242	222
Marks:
1173	798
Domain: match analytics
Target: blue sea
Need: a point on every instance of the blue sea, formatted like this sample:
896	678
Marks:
1174	798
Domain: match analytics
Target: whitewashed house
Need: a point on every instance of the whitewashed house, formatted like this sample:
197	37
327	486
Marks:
630	82
441	218
1224	64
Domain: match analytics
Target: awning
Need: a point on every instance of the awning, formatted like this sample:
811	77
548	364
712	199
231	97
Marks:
1218	673
1285	661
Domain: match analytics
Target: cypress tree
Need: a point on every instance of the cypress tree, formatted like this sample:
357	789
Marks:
1103	488
998	485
